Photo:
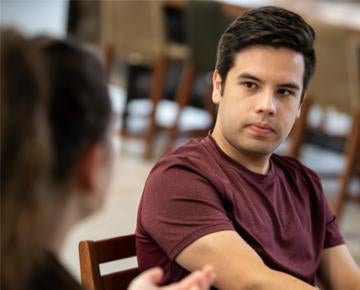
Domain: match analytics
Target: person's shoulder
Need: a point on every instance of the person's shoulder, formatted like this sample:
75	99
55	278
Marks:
193	151
294	166
193	156
190	147
49	273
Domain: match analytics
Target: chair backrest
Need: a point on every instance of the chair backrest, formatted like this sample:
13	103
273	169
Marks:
94	253
204	22
333	82
135	28
354	66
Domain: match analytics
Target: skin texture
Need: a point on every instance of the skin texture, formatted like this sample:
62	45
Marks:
258	104
338	269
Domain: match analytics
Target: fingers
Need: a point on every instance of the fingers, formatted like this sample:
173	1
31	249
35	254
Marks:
198	280
147	280
209	276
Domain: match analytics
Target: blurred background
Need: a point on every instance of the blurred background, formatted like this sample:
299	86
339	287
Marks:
158	56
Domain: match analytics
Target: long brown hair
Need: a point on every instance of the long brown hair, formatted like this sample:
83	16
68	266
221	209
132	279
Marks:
25	158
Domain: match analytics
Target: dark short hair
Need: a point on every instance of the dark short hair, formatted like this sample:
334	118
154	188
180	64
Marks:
270	26
79	103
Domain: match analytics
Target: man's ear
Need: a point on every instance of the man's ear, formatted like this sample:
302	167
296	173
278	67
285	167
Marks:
87	175
217	90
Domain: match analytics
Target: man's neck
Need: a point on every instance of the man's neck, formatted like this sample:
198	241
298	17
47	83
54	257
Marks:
255	162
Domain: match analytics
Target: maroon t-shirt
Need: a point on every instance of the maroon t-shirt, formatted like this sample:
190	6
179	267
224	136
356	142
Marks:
197	190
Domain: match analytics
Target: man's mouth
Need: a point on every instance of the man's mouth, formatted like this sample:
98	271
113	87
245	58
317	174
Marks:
260	128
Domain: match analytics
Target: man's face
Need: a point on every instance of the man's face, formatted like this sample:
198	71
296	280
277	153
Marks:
260	100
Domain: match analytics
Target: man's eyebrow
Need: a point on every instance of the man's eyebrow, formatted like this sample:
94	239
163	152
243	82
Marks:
293	86
249	76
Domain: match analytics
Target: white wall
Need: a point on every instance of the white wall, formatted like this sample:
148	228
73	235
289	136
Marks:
35	16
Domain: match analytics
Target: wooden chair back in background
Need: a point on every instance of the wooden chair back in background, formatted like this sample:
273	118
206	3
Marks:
335	85
336	69
135	29
204	22
134	32
352	162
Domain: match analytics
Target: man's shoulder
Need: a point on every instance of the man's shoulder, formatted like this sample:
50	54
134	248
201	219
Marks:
196	156
192	152
293	166
191	148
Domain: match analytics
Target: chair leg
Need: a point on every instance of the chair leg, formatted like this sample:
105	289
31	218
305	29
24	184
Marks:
299	130
109	57
208	104
132	74
183	93
352	157
156	94
171	137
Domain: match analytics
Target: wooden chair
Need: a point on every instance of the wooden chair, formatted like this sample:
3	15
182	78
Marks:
351	169
94	253
134	32
204	22
83	22
336	84
298	132
352	165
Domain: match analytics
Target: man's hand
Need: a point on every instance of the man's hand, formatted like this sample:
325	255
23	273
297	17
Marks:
198	280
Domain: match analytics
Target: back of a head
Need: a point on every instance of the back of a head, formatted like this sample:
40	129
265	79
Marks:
24	157
79	104
269	26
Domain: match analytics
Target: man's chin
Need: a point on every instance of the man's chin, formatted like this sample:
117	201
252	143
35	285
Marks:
259	150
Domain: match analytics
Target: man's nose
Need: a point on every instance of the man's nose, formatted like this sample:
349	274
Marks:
266	103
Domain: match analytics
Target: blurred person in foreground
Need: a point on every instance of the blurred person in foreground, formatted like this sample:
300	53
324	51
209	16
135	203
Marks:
66	128
261	219
25	159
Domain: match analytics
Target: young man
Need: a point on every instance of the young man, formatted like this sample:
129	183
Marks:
261	219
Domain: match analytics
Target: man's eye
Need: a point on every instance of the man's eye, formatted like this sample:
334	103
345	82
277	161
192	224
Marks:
249	85
285	92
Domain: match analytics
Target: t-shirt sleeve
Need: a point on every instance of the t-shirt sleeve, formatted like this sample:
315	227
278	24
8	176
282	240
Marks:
181	206
333	236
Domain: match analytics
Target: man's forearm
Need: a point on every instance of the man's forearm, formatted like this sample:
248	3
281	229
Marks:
242	269
267	280
338	269
278	280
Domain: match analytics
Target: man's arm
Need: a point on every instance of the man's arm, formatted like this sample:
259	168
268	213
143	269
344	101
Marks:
198	280
237	265
338	270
